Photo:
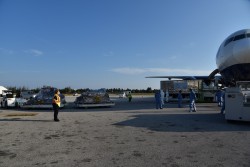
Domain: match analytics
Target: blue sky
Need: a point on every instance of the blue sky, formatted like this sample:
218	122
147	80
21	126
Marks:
112	43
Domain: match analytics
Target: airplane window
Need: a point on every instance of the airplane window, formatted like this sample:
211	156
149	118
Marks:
238	37
228	41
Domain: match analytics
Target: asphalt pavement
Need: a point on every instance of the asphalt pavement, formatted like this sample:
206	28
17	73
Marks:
125	135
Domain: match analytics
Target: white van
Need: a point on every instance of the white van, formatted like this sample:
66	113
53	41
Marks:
7	99
122	95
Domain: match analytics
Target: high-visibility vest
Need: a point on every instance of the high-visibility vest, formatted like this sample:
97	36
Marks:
57	99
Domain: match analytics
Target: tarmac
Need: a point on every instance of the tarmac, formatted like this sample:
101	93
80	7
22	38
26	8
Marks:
131	134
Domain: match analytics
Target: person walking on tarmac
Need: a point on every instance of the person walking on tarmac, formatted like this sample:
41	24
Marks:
56	104
158	99
222	111
218	97
192	98
180	99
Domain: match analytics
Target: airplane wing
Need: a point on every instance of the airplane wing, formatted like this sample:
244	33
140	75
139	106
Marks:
210	77
206	79
187	77
182	77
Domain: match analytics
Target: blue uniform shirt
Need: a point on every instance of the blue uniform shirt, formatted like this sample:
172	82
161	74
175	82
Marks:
192	95
157	96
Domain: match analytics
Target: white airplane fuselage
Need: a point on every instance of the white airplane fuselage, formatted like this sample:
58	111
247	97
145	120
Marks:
233	57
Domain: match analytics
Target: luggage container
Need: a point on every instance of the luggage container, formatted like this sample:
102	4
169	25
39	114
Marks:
94	98
43	99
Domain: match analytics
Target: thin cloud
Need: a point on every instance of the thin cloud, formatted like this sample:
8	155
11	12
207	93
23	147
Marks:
34	52
159	71
6	51
19	71
109	54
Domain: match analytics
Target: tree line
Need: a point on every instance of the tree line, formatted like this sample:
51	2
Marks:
69	90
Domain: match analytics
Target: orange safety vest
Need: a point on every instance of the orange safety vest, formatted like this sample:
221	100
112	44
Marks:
57	100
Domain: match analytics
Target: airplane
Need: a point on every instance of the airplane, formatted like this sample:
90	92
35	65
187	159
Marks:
232	59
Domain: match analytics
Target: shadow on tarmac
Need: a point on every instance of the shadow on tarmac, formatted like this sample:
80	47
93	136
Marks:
184	123
23	120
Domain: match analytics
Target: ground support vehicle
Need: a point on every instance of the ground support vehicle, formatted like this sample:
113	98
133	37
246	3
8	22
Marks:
8	99
122	95
237	102
43	99
94	98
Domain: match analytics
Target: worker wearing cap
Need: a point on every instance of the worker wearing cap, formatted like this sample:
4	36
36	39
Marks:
56	105
192	98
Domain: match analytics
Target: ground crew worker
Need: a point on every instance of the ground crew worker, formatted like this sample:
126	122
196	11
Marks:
56	104
192	98
166	96
162	97
218	96
180	99
129	97
223	103
158	99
